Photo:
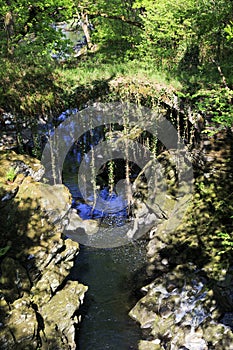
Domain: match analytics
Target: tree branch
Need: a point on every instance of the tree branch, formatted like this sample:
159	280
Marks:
221	74
34	11
115	17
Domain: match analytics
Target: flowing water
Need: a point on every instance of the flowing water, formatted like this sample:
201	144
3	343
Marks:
112	278
114	275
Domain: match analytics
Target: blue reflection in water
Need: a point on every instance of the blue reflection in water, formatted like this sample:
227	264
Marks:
117	209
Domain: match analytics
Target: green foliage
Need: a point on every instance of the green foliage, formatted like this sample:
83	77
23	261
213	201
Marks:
177	31
167	31
11	174
226	241
178	38
216	104
116	27
229	31
30	24
4	250
211	211
28	87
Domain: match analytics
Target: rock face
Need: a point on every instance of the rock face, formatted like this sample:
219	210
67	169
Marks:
189	303
39	305
181	313
183	308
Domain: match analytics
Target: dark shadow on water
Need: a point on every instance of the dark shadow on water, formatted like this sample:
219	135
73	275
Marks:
110	276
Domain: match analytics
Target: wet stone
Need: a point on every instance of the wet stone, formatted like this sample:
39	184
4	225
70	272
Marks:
181	313
58	312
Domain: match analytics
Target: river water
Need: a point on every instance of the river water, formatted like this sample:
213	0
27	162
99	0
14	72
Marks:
114	277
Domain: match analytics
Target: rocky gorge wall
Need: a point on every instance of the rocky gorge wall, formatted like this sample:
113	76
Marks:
39	306
188	304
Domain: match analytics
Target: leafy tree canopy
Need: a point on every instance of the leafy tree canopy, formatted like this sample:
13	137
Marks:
27	26
191	39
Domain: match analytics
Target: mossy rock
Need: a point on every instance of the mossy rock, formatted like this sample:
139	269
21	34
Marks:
149	345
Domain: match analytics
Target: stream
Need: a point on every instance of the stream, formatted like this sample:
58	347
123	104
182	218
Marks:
110	276
113	275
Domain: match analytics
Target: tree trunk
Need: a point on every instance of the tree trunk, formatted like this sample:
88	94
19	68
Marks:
86	29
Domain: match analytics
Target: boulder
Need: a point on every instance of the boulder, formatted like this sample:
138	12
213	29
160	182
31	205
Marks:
181	312
39	306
